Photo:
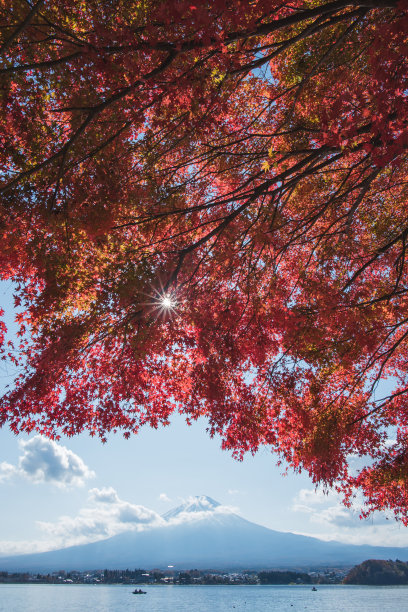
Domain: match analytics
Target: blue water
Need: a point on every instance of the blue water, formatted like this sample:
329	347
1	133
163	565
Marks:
101	598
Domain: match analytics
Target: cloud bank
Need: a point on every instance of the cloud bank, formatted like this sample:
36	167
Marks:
336	522
105	515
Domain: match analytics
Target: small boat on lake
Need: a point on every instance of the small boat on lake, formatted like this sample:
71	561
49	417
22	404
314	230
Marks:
139	592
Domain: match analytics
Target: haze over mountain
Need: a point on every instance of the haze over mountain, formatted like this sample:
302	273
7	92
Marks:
201	534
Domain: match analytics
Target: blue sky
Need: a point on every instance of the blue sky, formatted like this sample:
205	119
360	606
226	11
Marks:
80	490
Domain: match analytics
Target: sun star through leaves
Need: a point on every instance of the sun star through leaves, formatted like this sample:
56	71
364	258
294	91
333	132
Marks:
167	303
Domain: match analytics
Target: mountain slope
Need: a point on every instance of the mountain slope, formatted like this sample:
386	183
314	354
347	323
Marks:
202	535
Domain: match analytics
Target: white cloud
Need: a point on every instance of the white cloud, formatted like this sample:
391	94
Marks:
106	495
335	514
233	491
337	522
314	496
302	508
22	547
44	460
164	498
105	516
138	515
374	531
338	516
307	499
7	471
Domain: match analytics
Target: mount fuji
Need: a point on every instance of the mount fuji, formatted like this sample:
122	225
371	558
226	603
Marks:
202	534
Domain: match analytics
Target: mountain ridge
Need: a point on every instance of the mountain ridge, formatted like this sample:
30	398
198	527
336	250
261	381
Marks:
203	534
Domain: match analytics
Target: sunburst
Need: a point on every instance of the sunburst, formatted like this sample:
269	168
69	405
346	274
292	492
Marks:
165	303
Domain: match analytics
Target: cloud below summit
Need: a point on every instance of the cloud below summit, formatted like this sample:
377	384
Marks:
106	515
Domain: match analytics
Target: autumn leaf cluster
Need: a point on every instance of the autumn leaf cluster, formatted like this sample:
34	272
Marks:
204	210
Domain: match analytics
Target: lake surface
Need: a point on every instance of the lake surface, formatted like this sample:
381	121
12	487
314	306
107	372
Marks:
107	598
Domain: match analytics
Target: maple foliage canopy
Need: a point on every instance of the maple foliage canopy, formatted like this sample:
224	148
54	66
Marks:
204	209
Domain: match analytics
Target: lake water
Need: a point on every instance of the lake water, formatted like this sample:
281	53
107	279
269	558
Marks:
106	598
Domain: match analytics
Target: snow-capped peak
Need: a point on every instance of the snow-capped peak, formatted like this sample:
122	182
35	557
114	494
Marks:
199	503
